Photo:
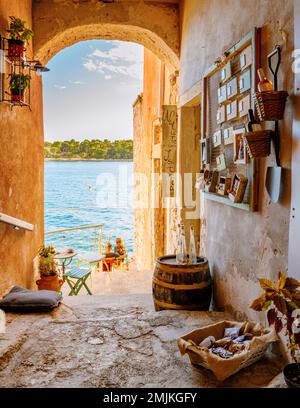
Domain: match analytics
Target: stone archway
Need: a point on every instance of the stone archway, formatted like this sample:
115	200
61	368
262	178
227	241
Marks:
60	23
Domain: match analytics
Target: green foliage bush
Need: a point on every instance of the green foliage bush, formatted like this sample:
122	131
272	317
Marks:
90	149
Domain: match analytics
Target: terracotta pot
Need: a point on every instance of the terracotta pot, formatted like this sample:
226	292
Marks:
50	283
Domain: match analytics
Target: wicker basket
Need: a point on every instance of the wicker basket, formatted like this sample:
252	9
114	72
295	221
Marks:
224	368
258	144
270	105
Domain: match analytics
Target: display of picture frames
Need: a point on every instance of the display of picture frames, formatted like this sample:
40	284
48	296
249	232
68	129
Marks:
227	97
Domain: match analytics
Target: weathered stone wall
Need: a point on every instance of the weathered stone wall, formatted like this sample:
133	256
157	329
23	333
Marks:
21	171
61	23
145	116
240	246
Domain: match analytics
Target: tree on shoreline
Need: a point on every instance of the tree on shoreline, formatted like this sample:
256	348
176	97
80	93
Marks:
89	149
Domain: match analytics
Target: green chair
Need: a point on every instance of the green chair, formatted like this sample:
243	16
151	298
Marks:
80	277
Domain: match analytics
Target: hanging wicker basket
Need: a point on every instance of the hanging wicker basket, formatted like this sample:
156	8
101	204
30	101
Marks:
270	105
258	144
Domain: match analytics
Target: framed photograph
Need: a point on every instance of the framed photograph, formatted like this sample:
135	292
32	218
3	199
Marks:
232	88
240	151
244	105
238	188
217	138
231	110
221	115
222	94
226	72
224	186
228	135
221	162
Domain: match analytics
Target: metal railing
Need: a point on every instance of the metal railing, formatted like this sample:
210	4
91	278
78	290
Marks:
85	238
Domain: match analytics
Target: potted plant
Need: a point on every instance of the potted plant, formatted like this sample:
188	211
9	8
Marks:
281	301
19	35
48	270
17	84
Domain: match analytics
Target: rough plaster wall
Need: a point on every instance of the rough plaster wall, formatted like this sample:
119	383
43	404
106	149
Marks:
143	159
241	246
69	21
21	172
189	141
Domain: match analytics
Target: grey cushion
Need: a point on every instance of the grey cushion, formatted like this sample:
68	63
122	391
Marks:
23	300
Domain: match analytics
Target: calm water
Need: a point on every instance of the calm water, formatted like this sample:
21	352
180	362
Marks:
87	193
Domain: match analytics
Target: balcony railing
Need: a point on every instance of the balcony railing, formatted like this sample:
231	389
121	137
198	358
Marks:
85	238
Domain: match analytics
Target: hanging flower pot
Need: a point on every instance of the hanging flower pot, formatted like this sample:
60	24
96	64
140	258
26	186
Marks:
16	49
18	83
17	95
19	35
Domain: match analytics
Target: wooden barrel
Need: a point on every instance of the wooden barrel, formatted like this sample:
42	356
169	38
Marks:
181	287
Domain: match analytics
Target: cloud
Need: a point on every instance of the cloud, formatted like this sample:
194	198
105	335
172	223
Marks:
76	82
60	86
122	59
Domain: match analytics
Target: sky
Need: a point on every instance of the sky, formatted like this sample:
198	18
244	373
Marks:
89	90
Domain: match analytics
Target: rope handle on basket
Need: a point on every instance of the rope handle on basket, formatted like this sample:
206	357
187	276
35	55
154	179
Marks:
183	345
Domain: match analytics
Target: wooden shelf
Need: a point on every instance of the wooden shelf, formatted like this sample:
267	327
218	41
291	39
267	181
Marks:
225	200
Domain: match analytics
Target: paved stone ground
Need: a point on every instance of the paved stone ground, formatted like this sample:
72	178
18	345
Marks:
112	341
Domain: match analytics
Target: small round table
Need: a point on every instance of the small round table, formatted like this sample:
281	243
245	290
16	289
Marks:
66	258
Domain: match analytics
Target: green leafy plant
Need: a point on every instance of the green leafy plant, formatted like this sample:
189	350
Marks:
19	82
280	300
18	31
47	263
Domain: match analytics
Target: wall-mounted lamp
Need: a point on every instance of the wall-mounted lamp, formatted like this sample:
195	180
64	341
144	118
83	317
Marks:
39	68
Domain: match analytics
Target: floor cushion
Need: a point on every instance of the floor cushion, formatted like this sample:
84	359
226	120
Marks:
23	300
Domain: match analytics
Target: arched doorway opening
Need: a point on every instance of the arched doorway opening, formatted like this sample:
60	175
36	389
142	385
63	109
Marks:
74	157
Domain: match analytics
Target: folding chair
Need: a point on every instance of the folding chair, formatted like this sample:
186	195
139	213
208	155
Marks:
80	277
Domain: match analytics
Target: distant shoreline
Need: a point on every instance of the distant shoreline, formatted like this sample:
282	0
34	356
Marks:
63	159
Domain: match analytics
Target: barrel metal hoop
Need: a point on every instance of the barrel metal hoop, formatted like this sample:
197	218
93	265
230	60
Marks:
171	269
194	286
166	305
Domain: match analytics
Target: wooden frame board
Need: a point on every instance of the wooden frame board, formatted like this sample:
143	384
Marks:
248	47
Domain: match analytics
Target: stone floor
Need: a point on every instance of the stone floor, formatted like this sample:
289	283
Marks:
112	341
118	281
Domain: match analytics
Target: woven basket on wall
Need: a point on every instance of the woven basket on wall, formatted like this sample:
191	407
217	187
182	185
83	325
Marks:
270	105
258	144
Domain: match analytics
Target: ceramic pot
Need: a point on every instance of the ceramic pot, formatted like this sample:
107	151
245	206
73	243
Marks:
50	283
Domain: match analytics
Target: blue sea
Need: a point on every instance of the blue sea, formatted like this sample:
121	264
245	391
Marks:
81	193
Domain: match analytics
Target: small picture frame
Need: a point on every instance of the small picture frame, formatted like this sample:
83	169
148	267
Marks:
231	110
245	81
232	88
222	94
210	181
221	162
246	58
228	135
244	106
226	72
217	138
224	186
221	115
240	151
238	188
